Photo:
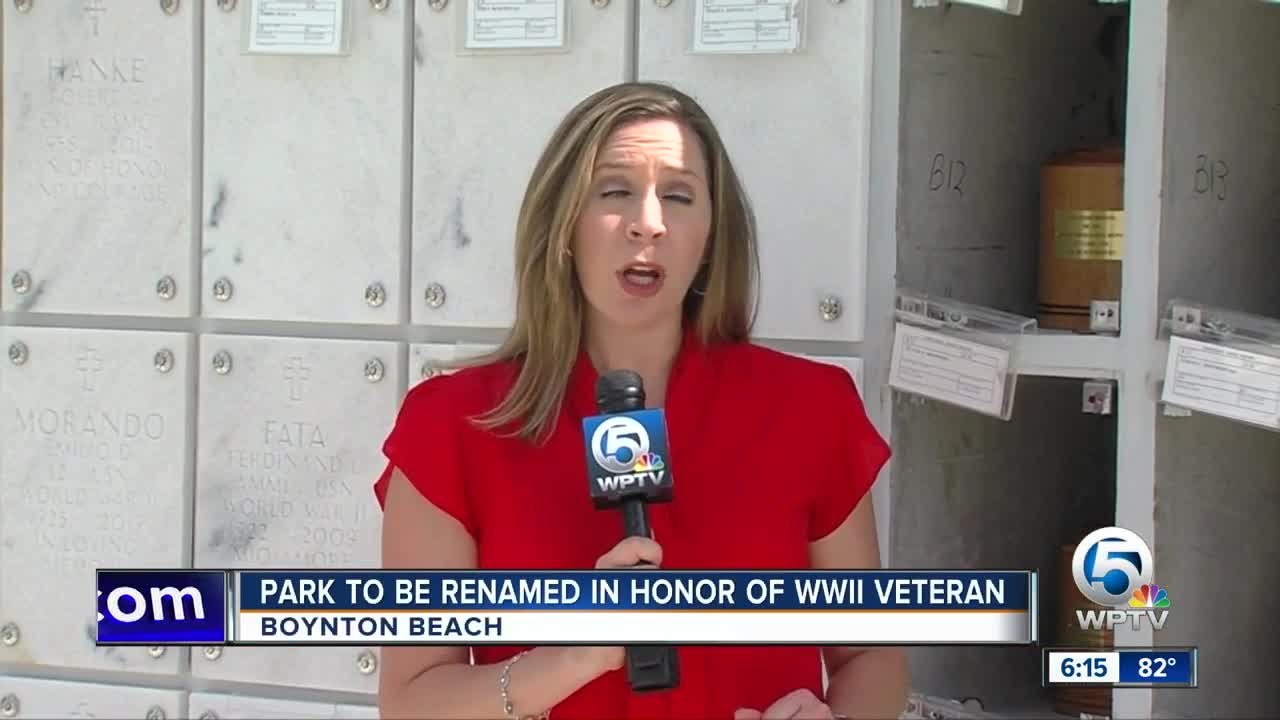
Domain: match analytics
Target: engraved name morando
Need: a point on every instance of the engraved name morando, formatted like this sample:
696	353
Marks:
77	492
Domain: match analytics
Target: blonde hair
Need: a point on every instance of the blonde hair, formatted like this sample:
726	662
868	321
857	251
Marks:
546	335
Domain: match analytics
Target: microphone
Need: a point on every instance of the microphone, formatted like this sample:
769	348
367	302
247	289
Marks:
627	469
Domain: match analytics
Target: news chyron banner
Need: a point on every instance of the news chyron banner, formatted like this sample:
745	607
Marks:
610	607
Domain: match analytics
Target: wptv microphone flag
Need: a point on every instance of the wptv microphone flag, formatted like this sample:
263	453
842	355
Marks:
596	607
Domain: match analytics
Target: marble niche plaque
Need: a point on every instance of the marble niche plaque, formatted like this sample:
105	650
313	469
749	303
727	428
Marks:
291	434
797	127
481	119
22	697
304	161
217	706
95	476
427	360
98	141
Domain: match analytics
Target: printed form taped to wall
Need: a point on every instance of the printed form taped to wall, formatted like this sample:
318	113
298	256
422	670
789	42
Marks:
514	24
747	26
956	353
1222	363
288	27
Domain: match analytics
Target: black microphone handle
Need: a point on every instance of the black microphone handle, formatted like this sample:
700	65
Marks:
649	667
635	517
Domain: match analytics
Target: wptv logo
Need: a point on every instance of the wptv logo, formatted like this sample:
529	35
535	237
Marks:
625	452
1112	567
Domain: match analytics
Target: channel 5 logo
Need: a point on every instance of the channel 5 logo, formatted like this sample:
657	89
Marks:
626	452
1112	567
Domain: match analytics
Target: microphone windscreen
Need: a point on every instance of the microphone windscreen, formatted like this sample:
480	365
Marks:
619	391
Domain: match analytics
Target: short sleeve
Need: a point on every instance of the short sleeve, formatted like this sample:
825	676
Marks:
857	450
424	444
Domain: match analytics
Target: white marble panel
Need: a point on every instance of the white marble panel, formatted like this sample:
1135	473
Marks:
218	706
480	121
426	360
304	162
290	444
98	143
95	476
797	127
22	697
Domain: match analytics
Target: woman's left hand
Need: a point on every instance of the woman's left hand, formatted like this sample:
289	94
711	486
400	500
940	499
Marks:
797	705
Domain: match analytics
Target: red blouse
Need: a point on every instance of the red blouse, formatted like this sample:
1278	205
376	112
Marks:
768	452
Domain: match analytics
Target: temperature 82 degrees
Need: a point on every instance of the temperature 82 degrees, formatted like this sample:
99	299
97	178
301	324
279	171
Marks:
1157	667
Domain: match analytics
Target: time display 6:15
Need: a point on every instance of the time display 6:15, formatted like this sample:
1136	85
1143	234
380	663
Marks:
1083	667
1090	667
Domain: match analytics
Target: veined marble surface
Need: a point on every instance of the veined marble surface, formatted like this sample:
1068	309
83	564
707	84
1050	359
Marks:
303	169
95	475
32	698
290	444
243	706
98	144
480	122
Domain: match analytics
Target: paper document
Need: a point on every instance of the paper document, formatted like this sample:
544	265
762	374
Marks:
512	24
943	367
746	26
304	27
1221	380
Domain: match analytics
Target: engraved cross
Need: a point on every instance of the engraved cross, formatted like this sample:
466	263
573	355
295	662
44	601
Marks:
296	374
94	9
89	365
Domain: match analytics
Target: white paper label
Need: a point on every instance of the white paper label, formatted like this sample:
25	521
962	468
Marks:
1221	380
950	369
296	27
511	24
746	26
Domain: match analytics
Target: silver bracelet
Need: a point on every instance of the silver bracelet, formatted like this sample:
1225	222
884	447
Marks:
504	680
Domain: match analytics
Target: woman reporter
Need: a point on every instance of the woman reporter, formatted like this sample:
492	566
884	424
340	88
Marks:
635	248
